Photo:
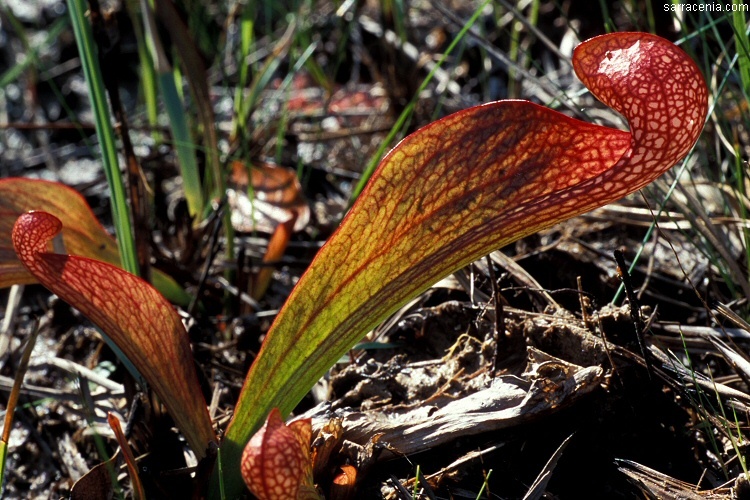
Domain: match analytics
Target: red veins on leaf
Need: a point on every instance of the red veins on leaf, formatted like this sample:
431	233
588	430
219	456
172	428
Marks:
83	234
136	317
464	186
276	463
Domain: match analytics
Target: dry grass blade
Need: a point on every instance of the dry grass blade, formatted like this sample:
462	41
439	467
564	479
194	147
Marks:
538	488
11	311
523	277
732	316
685	378
702	223
654	484
90	375
14	393
53	394
737	361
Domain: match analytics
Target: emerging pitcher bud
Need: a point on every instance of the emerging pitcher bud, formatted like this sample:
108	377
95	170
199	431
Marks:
276	463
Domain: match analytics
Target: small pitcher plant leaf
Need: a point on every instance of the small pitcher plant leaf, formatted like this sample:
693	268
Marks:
464	186
136	317
127	453
262	196
83	234
277	245
344	484
276	463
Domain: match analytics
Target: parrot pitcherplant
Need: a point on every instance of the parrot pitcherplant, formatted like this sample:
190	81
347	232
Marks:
445	196
136	317
464	186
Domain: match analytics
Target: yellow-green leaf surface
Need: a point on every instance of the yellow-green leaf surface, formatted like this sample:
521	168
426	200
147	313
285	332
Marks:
462	187
136	317
82	232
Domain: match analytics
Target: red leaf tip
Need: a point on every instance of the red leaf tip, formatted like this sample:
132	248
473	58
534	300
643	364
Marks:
32	233
655	85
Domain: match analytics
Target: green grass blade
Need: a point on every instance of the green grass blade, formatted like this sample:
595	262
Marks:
183	142
150	89
247	40
739	24
245	101
284	87
3	455
105	133
149	85
485	484
30	57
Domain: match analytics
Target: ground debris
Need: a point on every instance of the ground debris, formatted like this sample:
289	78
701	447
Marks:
547	384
